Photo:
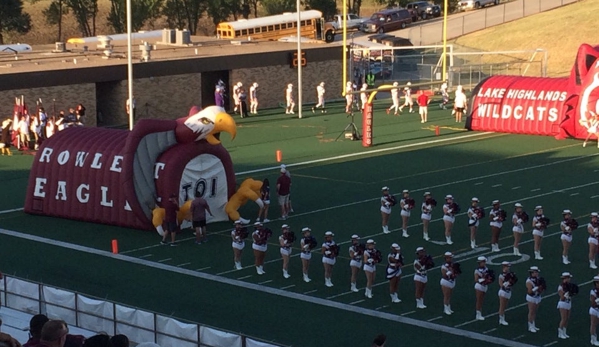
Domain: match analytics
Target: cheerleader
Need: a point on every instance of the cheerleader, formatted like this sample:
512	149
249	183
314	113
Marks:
356	251
286	241
594	310
329	257
448	217
506	280
349	97
406	205
238	236
387	201
427	208
407	93
564	305
533	297
592	126
593	229
371	258
448	276
265	197
480	285
395	262
420	278
394	99
260	237
566	236
518	219
496	216
289	99
538	229
473	221
307	243
364	95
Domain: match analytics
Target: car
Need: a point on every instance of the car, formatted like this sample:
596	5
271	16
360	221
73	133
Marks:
423	10
387	20
464	5
353	21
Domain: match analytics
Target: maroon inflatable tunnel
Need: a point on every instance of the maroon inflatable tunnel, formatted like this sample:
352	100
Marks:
519	105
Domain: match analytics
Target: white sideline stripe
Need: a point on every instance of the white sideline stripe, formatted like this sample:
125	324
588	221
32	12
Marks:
12	210
550	344
287	287
496	185
424	143
489	331
146	256
518	187
164	260
268	281
244	277
357	302
311	291
184	264
408	313
434	319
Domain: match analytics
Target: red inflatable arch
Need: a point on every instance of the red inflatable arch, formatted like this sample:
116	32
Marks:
109	176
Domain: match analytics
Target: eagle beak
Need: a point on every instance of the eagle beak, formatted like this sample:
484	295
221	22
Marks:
222	122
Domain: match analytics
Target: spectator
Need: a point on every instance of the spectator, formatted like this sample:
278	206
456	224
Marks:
34	126
148	344
9	341
51	127
5	142
23	133
170	218
288	174
379	341
100	340
35	329
43	118
54	334
283	189
119	341
199	207
71	118
61	121
265	197
80	113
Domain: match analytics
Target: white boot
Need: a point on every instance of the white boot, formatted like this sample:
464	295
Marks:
394	298
448	240
286	274
420	303
238	265
495	247
479	316
405	233
565	334
517	251
259	270
538	255
472	244
592	264
560	334
306	278
354	288
565	260
449	307
446	310
502	321
425	236
531	327
594	341
534	326
368	293
386	229
327	282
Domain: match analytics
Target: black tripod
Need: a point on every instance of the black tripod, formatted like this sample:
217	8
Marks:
355	133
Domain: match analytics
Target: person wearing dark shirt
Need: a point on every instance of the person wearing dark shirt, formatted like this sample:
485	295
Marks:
199	207
283	189
243	105
265	196
54	334
171	207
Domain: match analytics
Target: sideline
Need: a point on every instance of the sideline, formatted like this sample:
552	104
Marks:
272	291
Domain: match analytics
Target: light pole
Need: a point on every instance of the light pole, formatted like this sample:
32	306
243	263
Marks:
444	63
299	60
130	67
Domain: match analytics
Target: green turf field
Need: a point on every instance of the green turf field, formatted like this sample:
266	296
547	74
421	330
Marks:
336	186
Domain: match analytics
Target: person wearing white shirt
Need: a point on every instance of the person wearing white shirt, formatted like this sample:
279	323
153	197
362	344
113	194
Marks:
289	99
460	104
444	95
320	94
254	98
394	99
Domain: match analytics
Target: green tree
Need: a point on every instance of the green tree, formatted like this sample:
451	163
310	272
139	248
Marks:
327	7
12	18
54	14
142	12
221	10
273	7
85	12
182	14
353	6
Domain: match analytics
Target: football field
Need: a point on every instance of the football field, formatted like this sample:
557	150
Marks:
336	186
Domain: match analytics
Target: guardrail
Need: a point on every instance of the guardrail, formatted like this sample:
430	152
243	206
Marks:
100	315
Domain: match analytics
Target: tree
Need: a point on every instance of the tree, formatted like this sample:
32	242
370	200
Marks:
142	11
12	18
84	12
220	10
353	6
273	7
182	14
327	7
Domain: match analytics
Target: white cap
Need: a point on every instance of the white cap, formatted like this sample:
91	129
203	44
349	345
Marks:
239	84
365	85
538	207
304	229
495	202
448	196
370	242
566	274
329	233
322	83
419	249
257	224
355	236
448	254
409	83
517	204
427	193
475	199
349	83
395	246
534	268
395	84
290	85
594	214
405	191
385	188
567	212
481	258
284	226
506	263
283	170
237	222
255	84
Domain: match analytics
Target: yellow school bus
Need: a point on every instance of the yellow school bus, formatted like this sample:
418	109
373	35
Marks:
272	28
